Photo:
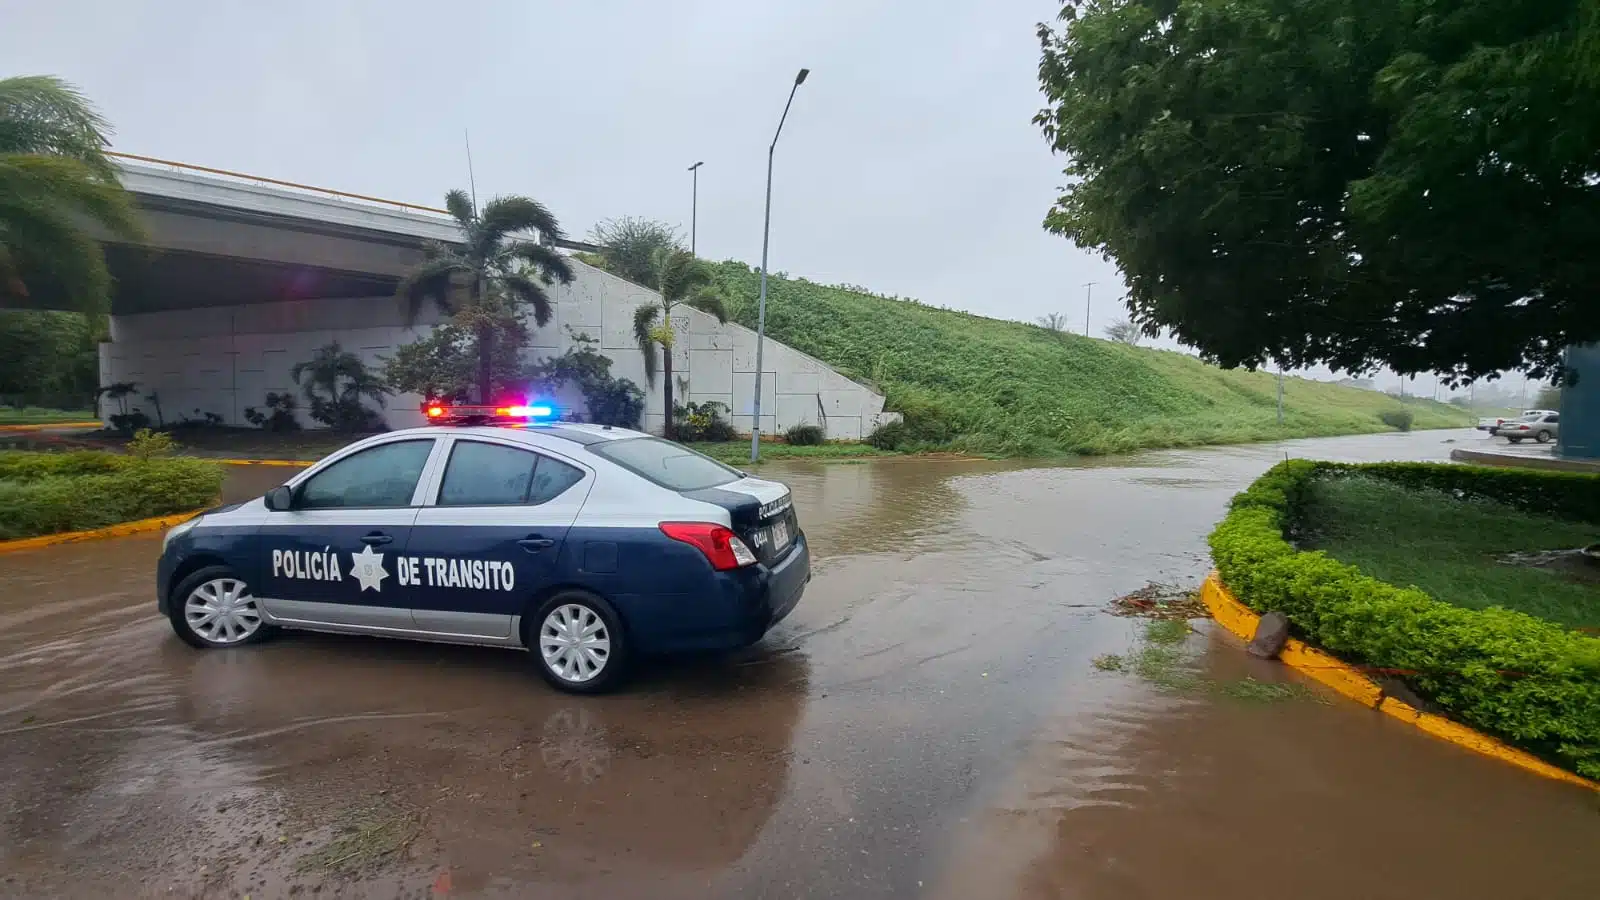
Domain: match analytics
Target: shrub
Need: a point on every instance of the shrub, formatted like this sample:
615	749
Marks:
805	435
45	493
1530	682
147	444
1399	419
701	422
334	381
888	436
279	415
128	423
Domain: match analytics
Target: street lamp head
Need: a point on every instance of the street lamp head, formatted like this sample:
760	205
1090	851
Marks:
801	78
697	165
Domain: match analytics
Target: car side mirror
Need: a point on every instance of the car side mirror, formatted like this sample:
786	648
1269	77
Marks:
279	498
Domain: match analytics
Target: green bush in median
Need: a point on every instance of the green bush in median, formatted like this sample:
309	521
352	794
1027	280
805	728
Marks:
1530	682
46	493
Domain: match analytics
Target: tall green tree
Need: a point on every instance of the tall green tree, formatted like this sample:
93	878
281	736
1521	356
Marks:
1410	183
680	279
492	274
54	180
628	246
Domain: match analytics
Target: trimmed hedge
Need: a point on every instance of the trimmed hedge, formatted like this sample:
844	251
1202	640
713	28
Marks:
47	493
1530	682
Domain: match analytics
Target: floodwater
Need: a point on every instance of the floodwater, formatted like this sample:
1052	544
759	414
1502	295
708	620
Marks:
927	723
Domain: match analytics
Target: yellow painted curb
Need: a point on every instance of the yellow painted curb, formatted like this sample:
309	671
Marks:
46	426
1351	682
121	529
294	463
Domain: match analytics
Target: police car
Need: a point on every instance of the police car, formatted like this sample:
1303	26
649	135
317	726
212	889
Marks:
583	544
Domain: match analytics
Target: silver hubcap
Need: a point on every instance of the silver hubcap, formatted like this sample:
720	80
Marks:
222	611
574	643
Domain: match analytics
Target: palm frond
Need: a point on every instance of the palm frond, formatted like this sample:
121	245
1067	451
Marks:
61	182
549	263
509	215
48	241
709	302
644	321
44	115
460	206
679	274
430	280
523	289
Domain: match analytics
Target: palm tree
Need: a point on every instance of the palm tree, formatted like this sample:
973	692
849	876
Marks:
680	278
54	178
489	273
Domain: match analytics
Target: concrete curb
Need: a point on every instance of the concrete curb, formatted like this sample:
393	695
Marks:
1352	683
1519	461
47	426
121	529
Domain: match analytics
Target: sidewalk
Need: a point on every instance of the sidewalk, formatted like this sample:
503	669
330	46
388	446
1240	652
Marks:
1534	457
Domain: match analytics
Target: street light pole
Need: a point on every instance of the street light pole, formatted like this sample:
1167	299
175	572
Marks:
761	310
694	204
1088	298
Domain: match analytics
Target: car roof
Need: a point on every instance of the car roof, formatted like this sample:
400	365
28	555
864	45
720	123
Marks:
533	434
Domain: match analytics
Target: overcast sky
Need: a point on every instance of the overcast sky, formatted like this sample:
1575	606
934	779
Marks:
909	165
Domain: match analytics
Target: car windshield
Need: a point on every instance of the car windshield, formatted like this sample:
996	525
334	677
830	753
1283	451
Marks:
670	465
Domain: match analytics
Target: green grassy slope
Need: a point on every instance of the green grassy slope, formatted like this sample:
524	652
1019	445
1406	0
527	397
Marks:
993	386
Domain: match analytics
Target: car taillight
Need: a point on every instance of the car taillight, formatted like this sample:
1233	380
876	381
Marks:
1522	428
722	548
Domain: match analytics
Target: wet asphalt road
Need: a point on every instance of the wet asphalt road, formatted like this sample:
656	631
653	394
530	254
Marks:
927	723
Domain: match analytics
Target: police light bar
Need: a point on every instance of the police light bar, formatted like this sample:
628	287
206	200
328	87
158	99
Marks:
439	410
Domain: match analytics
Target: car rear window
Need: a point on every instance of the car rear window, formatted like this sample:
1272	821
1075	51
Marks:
670	465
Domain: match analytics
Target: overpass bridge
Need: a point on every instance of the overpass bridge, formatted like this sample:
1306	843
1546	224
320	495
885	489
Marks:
243	277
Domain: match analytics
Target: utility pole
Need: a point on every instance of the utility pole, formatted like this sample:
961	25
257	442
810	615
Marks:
766	233
694	204
1280	393
1088	298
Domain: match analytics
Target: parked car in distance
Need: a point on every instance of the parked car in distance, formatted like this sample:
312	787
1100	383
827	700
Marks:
1542	427
1492	424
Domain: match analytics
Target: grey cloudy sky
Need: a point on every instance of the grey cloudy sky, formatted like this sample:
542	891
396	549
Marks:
909	164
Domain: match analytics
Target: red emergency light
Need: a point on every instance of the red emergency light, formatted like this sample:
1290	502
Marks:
445	410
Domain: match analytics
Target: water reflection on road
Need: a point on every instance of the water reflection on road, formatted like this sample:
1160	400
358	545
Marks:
927	721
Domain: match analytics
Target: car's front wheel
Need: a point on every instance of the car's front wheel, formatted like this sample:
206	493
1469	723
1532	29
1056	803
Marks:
1542	437
215	608
577	643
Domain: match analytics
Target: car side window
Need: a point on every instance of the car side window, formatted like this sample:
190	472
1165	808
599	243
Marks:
381	476
481	474
1553	419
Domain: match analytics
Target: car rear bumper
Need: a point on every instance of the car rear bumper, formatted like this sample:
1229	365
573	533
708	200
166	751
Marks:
735	610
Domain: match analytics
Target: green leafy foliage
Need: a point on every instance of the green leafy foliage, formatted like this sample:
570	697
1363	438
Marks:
335	381
1398	419
610	400
1531	682
444	364
46	493
147	444
702	422
990	386
488	280
888	436
54	179
48	359
1349	182
629	246
804	435
680	279
278	415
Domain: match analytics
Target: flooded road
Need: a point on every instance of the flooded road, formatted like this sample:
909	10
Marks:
929	722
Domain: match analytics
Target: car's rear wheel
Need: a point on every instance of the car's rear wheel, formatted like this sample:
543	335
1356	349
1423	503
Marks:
1542	437
577	643
214	608
1514	440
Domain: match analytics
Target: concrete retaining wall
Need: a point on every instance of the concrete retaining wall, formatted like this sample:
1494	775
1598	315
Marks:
224	359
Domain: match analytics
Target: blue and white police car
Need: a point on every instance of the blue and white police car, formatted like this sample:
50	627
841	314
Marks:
583	544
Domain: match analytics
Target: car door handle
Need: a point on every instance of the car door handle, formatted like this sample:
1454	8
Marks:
533	543
377	538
